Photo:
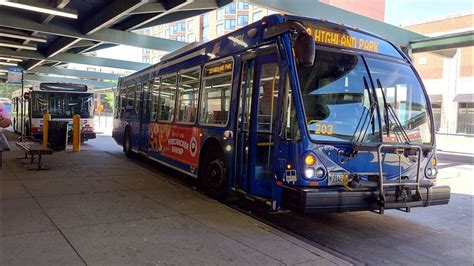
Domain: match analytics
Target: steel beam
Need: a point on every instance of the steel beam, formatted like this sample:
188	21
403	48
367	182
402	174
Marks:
104	35
32	63
148	8
444	42
94	83
139	21
175	16
74	73
316	9
60	45
109	14
75	58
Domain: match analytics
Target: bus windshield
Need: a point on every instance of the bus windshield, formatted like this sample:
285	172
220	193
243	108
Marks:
62	105
341	106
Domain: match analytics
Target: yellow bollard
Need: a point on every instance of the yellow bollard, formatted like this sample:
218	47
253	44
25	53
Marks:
46	119
76	133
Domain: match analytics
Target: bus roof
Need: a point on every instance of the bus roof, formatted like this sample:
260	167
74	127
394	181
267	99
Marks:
324	32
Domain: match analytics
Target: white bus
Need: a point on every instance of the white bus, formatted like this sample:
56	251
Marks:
61	100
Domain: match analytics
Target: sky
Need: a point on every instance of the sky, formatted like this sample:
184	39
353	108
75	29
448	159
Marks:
406	12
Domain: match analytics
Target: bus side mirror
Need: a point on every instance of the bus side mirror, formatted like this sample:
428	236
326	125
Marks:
305	49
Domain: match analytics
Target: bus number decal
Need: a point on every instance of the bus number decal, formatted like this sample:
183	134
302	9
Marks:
324	129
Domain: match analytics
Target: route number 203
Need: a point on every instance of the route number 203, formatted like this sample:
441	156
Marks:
324	129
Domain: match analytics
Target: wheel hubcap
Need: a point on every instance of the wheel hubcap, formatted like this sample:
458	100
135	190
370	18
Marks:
215	174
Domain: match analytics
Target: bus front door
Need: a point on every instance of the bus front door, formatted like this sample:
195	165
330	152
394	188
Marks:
258	102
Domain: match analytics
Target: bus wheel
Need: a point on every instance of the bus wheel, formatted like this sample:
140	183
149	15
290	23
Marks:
127	144
214	178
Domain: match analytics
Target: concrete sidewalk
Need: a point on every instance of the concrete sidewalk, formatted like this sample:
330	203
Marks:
97	207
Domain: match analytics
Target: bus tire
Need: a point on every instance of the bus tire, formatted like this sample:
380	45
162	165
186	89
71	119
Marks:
213	176
127	144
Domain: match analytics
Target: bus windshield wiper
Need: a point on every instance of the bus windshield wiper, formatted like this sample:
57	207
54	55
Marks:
389	111
367	113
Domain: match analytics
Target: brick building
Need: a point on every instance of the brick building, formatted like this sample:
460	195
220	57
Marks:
448	80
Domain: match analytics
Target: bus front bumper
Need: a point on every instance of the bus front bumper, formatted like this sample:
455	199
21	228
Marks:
311	200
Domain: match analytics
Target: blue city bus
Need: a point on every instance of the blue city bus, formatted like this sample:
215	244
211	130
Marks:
294	112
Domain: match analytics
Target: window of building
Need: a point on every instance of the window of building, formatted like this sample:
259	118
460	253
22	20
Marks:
181	26
465	118
242	5
205	20
167	33
230	8
190	24
191	37
436	109
257	15
220	14
216	93
205	34
167	98
242	20
174	29
181	38
188	92
154	99
230	24
219	29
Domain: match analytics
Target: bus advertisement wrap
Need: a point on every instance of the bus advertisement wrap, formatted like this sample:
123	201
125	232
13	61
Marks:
177	142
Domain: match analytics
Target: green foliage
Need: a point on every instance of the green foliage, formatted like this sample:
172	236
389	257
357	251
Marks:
107	100
6	89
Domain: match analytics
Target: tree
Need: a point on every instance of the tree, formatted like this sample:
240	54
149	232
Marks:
6	89
107	100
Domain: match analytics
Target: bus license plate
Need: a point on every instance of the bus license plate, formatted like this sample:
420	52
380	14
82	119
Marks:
335	179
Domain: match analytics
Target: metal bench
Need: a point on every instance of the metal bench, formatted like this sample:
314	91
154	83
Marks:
33	149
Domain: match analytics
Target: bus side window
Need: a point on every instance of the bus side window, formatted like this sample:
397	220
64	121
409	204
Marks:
130	99
137	103
154	99
188	95
123	101
216	92
167	98
290	129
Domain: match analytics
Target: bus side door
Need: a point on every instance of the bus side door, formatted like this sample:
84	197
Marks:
256	130
144	117
135	116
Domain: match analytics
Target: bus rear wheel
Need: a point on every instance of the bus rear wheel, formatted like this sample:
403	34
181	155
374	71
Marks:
127	144
213	177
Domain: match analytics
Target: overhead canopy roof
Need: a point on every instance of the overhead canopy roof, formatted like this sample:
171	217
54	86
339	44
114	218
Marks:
44	40
70	29
464	98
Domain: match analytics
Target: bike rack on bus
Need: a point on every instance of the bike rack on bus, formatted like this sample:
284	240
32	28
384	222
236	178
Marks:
399	149
401	187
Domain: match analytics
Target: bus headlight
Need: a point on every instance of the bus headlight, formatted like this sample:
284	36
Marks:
309	172
431	169
429	172
320	172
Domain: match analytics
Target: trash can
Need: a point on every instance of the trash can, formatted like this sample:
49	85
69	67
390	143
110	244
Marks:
57	135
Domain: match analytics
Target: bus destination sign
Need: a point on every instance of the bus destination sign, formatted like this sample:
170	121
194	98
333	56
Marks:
220	68
344	39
